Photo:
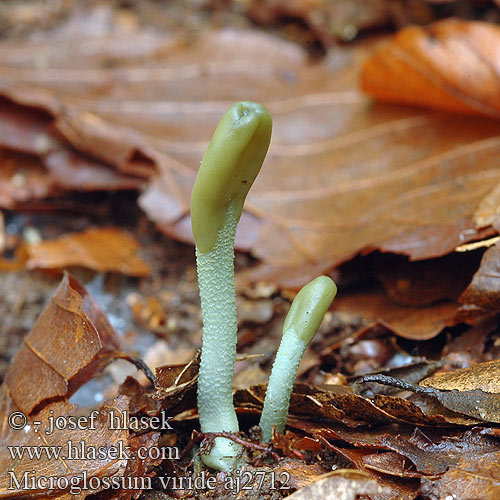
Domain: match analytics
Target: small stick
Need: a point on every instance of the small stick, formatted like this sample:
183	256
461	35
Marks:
138	363
198	437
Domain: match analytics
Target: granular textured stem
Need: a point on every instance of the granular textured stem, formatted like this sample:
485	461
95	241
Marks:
218	303
279	389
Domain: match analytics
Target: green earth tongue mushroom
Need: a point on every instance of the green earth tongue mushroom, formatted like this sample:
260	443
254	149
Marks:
301	323
228	170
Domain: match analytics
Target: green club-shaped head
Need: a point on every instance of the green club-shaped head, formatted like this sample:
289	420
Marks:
309	306
228	169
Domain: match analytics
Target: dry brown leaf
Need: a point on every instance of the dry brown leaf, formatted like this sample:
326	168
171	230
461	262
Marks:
300	474
339	485
467	348
176	386
36	435
336	405
76	172
25	129
418	323
290	443
431	452
140	467
422	411
483	376
102	249
469	480
417	200
23	178
141	401
484	290
71	341
393	487
452	65
474	403
488	210
389	463
425	282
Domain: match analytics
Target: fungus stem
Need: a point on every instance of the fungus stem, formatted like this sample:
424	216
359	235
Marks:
218	303
302	321
230	165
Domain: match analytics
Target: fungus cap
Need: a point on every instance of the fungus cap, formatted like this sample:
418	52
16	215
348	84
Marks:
228	169
309	306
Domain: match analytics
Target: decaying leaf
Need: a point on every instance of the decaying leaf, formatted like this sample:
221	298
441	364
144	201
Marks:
139	400
469	479
70	171
474	403
335	404
140	467
54	453
425	282
339	485
292	444
447	65
483	376
38	434
49	168
390	463
71	341
484	290
487	211
423	410
418	323
393	487
300	473
101	249
418	201
23	179
176	386
428	450
329	189
468	348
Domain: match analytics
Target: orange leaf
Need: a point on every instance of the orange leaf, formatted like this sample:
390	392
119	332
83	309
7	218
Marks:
101	249
450	65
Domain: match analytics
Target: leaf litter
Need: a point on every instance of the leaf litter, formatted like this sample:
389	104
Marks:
126	135
434	192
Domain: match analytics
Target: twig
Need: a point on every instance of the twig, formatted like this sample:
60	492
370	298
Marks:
199	437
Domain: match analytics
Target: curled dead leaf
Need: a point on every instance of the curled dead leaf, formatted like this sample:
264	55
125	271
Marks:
484	289
447	65
71	341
